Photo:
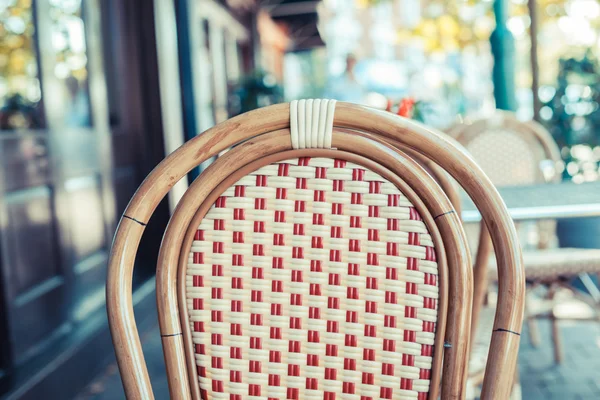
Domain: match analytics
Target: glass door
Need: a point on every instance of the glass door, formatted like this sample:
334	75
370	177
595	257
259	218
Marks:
57	210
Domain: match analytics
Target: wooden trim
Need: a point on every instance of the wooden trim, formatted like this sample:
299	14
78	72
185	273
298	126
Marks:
430	143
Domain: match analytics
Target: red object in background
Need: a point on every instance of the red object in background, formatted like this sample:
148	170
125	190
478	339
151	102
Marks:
406	107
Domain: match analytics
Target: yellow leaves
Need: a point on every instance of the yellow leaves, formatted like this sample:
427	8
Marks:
427	28
404	36
18	61
483	28
448	25
447	33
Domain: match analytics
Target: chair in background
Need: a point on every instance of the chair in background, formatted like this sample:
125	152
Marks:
514	153
311	261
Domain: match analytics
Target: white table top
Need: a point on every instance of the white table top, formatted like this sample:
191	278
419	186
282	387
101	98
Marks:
548	201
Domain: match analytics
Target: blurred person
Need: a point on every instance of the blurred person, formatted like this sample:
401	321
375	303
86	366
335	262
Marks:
345	87
78	113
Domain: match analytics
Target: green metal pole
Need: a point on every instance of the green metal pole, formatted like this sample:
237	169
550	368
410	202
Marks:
503	50
535	68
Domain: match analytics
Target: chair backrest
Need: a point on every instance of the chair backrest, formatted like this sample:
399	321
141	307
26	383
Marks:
511	152
312	262
514	153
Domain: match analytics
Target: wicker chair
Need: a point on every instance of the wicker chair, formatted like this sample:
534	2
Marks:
315	260
514	153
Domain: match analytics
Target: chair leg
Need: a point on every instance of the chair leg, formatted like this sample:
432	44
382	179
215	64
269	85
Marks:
532	327
556	340
534	332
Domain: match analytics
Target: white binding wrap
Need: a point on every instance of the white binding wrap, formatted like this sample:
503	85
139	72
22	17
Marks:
311	123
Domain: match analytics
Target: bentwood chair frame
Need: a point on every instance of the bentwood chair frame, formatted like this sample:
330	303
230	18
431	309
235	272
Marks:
261	137
543	149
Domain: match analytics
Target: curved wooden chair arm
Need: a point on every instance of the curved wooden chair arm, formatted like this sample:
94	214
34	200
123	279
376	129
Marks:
429	143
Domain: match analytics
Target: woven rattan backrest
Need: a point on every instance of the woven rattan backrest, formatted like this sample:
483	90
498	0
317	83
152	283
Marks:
511	152
424	237
377	216
514	153
327	272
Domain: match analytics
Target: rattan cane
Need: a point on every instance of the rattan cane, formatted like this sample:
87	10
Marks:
313	278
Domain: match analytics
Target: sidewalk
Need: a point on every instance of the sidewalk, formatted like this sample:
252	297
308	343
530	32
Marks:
107	385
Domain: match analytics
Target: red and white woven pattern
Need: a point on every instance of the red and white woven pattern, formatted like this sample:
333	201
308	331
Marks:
313	278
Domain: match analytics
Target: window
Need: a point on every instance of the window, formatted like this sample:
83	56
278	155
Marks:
70	68
20	92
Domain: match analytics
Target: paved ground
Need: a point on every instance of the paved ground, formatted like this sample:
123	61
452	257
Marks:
107	385
578	378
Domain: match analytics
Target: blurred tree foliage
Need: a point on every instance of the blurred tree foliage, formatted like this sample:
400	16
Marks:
573	113
256	90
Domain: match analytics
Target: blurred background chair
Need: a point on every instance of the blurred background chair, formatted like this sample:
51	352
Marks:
515	153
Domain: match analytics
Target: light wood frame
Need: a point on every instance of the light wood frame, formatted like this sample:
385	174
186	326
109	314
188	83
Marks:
386	126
